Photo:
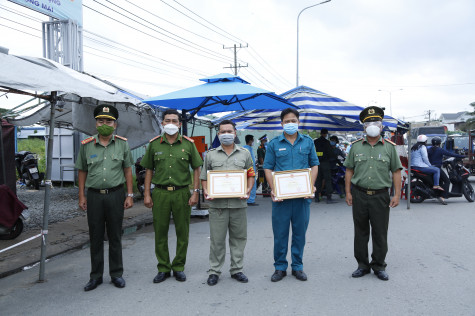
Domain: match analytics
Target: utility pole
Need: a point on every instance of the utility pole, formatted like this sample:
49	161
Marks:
236	66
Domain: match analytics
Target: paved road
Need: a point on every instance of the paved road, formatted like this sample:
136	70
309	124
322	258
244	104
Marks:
430	263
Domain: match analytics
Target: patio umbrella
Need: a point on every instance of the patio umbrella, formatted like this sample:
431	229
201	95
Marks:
220	93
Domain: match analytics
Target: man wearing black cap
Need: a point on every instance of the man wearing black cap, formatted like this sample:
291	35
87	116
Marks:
367	183
325	155
104	164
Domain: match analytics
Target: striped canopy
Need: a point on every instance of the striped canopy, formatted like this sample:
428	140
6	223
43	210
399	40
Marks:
317	110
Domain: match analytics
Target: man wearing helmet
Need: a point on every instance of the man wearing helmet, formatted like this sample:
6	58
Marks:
436	155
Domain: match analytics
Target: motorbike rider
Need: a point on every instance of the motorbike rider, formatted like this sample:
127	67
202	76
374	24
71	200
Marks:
420	161
436	155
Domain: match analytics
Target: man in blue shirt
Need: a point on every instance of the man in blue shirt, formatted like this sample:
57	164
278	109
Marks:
289	151
248	146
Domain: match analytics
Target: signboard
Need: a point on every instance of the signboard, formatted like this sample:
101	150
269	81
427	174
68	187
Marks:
58	9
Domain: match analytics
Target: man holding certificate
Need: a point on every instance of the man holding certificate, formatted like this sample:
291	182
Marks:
290	152
227	178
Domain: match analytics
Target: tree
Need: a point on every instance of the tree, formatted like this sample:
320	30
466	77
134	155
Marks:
470	123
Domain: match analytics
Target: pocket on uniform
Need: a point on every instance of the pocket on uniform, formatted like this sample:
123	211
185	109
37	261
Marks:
281	153
217	165
239	164
383	163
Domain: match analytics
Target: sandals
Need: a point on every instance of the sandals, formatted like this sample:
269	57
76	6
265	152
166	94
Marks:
437	187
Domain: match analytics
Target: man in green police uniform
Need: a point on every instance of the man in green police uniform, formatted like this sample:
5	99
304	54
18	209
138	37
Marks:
104	164
227	213
171	156
367	181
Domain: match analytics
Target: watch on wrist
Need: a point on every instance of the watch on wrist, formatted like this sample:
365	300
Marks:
130	195
197	190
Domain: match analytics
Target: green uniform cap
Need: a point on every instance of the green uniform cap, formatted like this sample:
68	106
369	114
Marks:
371	113
106	111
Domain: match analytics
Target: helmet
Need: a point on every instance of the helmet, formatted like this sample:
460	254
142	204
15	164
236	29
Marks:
436	141
421	138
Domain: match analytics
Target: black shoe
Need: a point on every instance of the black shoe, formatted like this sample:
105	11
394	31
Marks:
330	200
179	276
358	273
278	275
92	284
240	277
300	275
118	282
161	276
252	204
382	275
212	279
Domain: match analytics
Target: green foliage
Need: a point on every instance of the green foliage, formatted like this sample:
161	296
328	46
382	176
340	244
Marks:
36	146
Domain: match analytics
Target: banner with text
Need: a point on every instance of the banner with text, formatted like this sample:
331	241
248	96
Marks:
59	9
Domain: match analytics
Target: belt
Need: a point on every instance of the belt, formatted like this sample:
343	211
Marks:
107	191
170	187
370	191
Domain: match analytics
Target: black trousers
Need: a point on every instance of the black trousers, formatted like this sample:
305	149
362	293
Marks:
371	214
105	212
444	183
324	173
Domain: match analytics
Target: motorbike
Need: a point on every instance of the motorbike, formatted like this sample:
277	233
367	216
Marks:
7	233
140	177
27	166
422	183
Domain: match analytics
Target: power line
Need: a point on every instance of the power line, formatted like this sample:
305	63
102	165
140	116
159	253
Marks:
12	28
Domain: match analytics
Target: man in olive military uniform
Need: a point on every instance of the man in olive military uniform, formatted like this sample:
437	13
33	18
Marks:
227	213
367	181
104	164
170	157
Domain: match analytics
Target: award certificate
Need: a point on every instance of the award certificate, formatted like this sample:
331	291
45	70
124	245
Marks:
227	183
292	184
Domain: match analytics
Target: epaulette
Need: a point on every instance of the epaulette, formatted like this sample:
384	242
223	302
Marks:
189	139
212	149
87	140
120	137
357	140
154	138
389	141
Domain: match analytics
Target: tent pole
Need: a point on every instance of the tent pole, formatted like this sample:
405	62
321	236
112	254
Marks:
184	123
408	187
48	185
2	151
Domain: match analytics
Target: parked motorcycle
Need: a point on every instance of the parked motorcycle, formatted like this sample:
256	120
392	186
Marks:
422	183
27	166
140	177
7	233
12	214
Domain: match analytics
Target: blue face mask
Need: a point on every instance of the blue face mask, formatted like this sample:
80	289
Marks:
291	128
332	143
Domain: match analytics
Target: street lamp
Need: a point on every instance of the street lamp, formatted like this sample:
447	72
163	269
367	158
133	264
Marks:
298	18
390	105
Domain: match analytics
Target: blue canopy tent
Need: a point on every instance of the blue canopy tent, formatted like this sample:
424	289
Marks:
317	110
220	93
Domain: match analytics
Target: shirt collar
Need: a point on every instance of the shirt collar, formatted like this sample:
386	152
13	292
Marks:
221	148
163	138
381	139
97	141
281	137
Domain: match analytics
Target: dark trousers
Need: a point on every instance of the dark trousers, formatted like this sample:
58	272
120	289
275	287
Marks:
105	212
324	173
371	214
444	183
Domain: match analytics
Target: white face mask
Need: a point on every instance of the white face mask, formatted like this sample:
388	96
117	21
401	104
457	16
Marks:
170	129
226	139
373	130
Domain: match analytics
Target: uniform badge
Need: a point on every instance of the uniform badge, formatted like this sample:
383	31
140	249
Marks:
371	111
105	109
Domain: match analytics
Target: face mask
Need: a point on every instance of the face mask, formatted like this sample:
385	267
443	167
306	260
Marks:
291	128
373	131
170	129
226	139
105	130
332	143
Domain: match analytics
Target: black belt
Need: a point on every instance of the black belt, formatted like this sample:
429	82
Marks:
370	191
170	187
107	191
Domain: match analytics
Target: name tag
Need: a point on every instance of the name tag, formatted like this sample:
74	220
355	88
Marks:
159	153
93	156
280	149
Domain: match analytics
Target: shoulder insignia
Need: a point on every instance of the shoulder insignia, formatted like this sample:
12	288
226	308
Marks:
87	140
188	139
389	141
212	149
357	140
154	138
120	137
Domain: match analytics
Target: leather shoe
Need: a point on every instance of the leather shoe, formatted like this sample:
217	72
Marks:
179	276
278	275
92	284
300	275
358	273
212	279
382	275
118	282
240	277
252	204
161	276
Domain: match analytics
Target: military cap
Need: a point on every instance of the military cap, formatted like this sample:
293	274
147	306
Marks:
371	113
264	137
106	111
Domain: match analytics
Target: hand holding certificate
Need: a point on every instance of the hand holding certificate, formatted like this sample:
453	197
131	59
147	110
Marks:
292	184
227	184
